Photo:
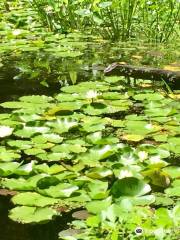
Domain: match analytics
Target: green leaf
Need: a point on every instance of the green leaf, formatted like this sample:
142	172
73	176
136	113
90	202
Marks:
62	190
8	155
163	218
26	214
97	153
36	99
129	186
25	169
67	148
33	199
93	221
172	171
20	144
62	125
98	190
21	184
7	169
99	173
95	108
44	168
28	132
96	207
148	96
133	137
173	192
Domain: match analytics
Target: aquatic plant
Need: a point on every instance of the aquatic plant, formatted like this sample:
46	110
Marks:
155	20
115	157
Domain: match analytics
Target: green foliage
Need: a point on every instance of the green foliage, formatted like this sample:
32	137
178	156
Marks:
154	20
107	160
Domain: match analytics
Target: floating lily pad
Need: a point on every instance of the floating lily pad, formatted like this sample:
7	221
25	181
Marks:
133	137
33	199
9	168
27	214
21	184
129	186
62	190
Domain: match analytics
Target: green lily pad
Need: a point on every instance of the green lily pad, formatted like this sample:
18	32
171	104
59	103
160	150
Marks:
97	153
40	99
21	184
48	137
25	214
67	148
44	168
95	108
62	125
99	173
133	137
172	171
148	96
9	168
129	186
54	156
98	190
28	132
33	199
97	206
173	192
20	144
62	190
34	151
8	155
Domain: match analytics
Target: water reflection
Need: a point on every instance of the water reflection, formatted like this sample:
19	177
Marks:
45	72
10	230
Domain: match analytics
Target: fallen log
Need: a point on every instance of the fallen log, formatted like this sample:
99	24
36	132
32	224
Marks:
147	73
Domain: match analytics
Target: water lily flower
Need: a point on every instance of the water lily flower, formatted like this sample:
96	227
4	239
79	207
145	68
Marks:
142	155
149	126
5	131
91	94
125	173
16	32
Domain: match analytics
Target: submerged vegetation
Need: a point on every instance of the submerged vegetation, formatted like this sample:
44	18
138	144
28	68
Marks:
101	151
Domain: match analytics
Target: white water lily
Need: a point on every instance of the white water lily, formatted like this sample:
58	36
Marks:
91	94
16	32
142	155
125	173
5	131
149	126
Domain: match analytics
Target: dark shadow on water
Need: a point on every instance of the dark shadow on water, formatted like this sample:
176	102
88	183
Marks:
10	230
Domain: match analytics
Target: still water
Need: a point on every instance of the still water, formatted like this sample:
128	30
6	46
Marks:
32	73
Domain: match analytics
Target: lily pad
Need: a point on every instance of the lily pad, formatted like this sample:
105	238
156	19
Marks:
25	214
33	199
129	186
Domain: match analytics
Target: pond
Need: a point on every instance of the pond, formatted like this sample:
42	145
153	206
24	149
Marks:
106	128
44	71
